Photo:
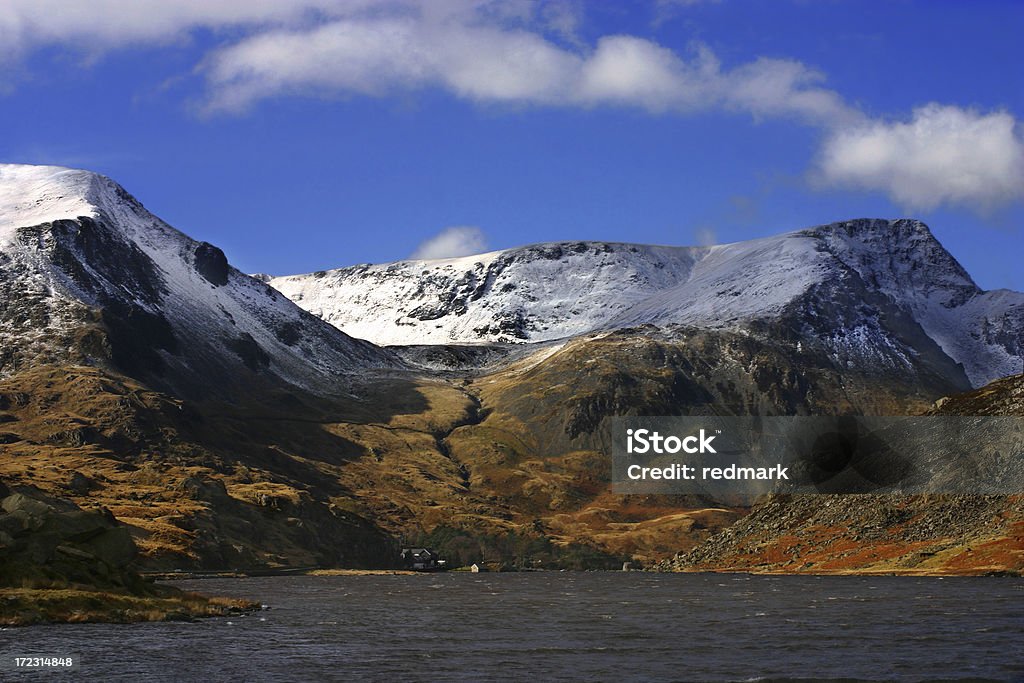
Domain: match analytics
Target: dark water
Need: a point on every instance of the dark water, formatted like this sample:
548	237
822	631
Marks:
567	626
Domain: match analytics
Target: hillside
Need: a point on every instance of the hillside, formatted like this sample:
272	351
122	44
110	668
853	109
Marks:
947	534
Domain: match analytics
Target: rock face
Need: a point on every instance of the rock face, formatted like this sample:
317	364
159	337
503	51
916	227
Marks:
49	542
870	290
89	276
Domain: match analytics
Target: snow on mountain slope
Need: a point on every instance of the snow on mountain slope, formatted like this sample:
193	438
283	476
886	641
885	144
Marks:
733	283
534	293
32	195
879	275
985	334
77	252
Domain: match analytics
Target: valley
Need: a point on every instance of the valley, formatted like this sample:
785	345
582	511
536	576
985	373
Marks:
232	424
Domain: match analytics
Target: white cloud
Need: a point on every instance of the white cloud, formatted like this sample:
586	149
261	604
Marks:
633	71
25	24
783	87
942	155
458	240
494	62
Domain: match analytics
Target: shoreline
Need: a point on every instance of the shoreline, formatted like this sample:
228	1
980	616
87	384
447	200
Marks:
305	571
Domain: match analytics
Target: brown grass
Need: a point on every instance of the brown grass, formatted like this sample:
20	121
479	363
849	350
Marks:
24	606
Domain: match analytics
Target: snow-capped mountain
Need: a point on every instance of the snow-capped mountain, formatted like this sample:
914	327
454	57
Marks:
873	291
88	275
534	293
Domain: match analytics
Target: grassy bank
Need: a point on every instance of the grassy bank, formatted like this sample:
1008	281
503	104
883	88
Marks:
26	606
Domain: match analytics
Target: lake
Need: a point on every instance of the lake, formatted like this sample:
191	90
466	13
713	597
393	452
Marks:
550	626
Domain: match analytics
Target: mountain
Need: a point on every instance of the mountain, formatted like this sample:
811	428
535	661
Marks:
869	291
139	372
227	427
89	276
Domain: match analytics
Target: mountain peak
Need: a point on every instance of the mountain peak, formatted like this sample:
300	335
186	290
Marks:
32	195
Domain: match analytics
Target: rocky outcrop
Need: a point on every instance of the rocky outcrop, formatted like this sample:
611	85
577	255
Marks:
59	564
212	264
48	542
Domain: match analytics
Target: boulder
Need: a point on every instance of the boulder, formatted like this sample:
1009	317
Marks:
211	264
21	502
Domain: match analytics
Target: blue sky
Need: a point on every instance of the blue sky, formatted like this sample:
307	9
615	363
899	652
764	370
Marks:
309	134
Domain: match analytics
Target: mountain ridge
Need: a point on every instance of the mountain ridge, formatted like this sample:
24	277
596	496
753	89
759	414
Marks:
556	290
